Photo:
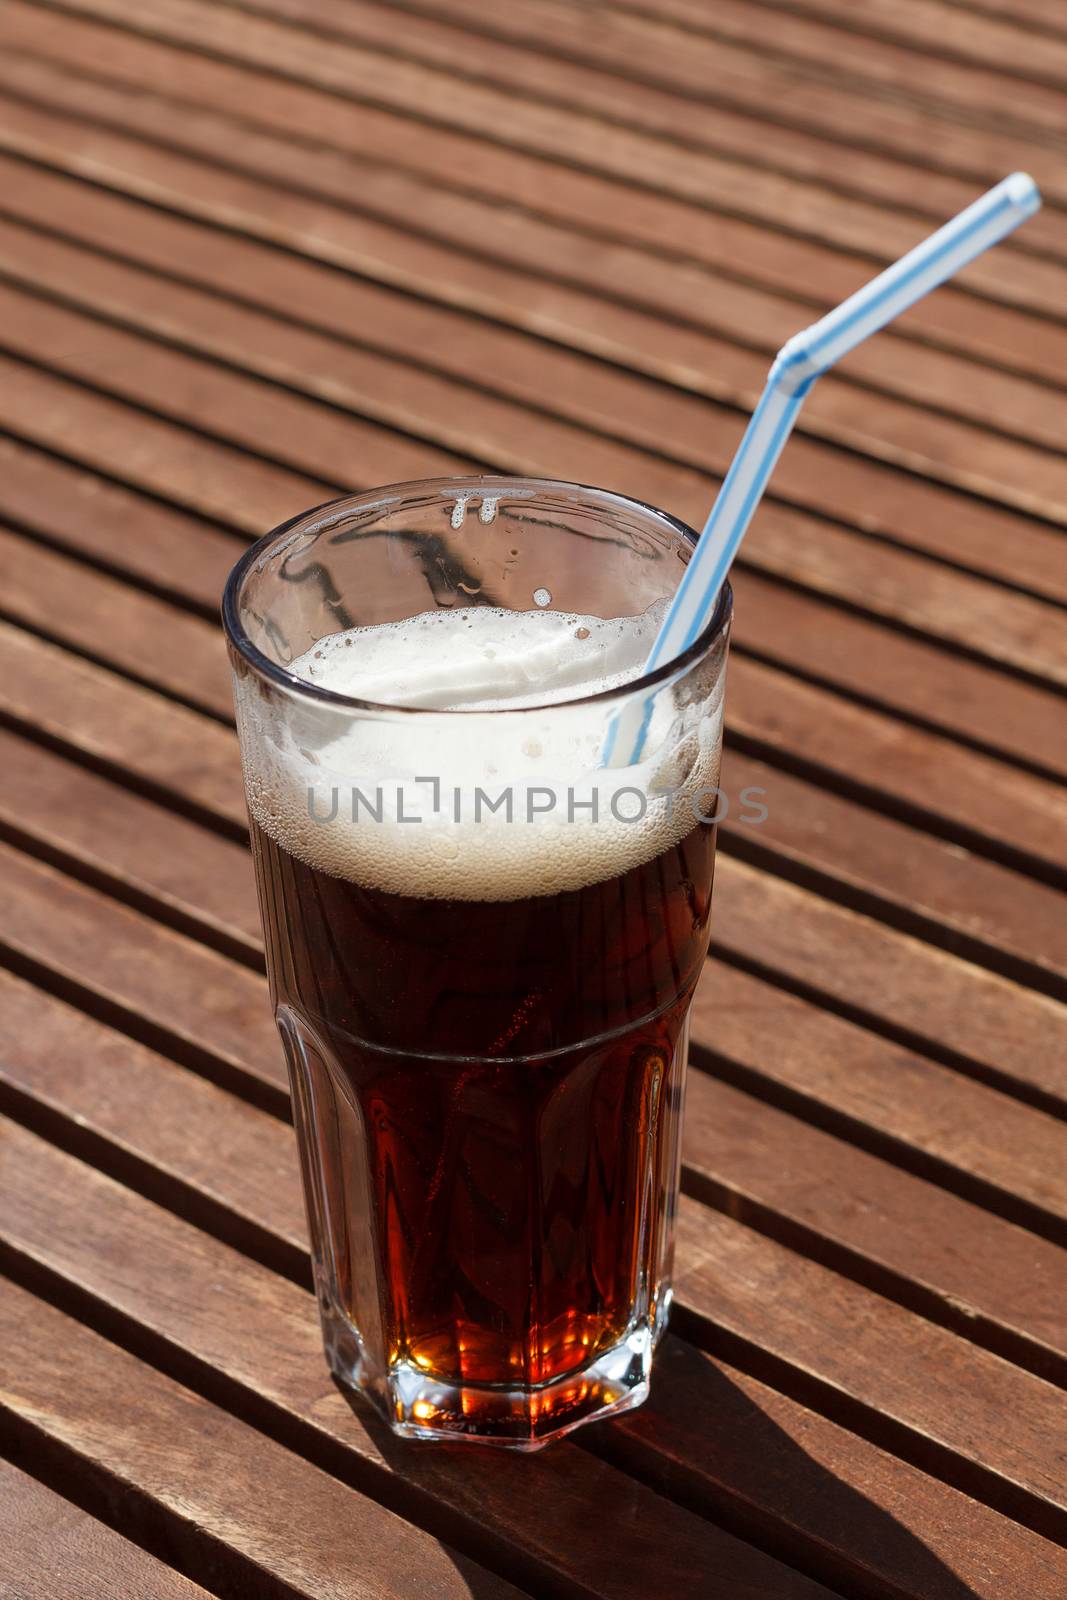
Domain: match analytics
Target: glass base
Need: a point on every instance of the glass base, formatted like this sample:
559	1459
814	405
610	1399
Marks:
417	1405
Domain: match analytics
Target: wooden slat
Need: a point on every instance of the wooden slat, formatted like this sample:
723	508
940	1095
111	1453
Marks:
730	1446
899	1234
976	1020
153	454
897	673
884	1369
189	560
177	870
931	998
672	228
719	1457
215	1015
999	805
878	1091
1017	926
160	985
72	1552
738	311
922	775
673	167
169	749
913	372
982	908
634	44
137	1116
942	30
252	415
933	444
166	864
208	1155
222	1498
201	1328
542	268
954	897
981	903
1043	15
595	67
261	1333
984	96
786	542
154	545
1011	628
143	637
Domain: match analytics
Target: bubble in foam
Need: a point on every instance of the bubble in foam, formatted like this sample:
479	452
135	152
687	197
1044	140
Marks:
480	661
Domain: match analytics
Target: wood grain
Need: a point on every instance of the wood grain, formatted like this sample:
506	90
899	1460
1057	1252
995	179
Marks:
553	54
73	1552
202	1486
730	1446
477	107
927	995
225	1165
180	756
977	1021
674	229
505	373
144	637
143	1120
591	322
936	28
144	853
256	253
187	559
983	95
281	1376
907	1238
990	913
155	546
878	1368
261	1333
738	314
160	985
801	1054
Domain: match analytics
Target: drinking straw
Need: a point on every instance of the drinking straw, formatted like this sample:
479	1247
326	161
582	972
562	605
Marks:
801	360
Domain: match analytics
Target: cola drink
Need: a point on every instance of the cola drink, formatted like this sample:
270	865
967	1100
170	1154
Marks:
507	1079
482	948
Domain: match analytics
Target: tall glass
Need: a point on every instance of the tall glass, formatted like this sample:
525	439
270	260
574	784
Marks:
482	947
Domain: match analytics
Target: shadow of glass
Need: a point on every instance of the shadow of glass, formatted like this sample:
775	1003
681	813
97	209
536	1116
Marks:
562	1523
717	1442
727	1446
465	1483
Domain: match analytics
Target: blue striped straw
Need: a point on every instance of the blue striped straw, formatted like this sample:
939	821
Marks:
797	365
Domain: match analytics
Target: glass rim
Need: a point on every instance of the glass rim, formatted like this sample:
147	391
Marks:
318	693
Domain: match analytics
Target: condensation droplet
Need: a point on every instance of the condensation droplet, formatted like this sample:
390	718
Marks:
459	510
542	597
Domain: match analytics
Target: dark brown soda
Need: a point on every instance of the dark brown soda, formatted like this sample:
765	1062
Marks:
495	1091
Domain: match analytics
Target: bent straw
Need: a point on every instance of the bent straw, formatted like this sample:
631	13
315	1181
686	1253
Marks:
799	362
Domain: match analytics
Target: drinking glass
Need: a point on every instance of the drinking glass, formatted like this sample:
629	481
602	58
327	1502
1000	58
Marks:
482	942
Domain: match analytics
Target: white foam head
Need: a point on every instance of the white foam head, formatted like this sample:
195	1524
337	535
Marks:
504	801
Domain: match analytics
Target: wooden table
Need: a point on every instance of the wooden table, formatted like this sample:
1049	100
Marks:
255	253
